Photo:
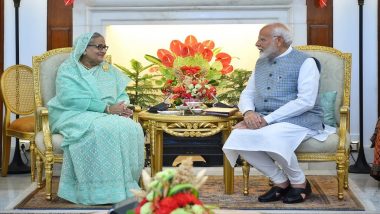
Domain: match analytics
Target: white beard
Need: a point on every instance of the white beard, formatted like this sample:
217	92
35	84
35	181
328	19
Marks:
269	53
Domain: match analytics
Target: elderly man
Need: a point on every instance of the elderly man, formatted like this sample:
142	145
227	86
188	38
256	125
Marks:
280	109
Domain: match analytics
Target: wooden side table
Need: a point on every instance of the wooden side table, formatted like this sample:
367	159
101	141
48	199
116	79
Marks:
187	126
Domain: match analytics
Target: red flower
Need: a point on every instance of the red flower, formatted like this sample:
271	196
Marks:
224	58
191	41
211	92
187	51
176	47
190	70
207	54
179	89
168	60
198	48
142	202
227	69
162	52
166	205
183	199
209	44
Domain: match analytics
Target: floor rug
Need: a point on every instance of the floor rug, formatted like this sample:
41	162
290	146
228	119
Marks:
324	197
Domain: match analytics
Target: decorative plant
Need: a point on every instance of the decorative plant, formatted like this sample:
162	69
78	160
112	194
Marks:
172	191
191	69
145	89
233	85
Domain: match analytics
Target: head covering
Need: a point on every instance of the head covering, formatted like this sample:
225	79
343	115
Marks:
80	45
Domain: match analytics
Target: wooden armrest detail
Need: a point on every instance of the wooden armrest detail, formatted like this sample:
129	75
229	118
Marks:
343	127
44	117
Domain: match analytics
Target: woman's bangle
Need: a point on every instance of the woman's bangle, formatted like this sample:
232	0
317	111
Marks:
108	109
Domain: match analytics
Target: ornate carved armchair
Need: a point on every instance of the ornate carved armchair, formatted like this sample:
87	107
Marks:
48	146
48	150
335	76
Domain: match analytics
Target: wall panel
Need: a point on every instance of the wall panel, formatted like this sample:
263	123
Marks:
59	24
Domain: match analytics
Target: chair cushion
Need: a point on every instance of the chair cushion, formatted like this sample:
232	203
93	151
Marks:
48	73
332	76
57	140
23	124
328	106
328	146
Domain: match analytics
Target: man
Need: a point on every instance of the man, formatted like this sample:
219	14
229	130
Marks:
280	110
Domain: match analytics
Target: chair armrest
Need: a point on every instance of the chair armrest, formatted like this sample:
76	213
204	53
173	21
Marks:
42	116
344	124
136	111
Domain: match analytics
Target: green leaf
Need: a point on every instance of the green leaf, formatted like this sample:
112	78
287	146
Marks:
216	50
183	187
153	59
196	60
217	65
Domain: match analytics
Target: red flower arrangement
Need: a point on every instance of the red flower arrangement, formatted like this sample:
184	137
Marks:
191	69
172	191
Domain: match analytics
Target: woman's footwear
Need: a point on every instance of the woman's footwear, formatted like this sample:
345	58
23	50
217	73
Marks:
274	194
295	194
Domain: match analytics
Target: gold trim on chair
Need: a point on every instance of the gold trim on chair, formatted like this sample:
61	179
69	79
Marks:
45	156
17	93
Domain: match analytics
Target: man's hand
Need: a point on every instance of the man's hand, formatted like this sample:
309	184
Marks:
254	120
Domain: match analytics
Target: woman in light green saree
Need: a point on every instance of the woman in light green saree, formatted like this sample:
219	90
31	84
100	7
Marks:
103	147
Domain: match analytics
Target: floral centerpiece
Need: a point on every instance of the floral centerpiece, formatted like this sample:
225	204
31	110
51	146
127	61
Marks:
173	191
191	69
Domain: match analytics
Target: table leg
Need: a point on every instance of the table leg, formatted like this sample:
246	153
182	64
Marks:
228	171
152	136
159	151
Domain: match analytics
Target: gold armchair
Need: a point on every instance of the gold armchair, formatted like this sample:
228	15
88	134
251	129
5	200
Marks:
48	150
335	76
17	92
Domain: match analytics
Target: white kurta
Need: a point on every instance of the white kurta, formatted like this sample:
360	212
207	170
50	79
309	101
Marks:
279	137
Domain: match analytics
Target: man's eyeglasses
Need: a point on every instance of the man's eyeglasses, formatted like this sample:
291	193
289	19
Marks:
100	47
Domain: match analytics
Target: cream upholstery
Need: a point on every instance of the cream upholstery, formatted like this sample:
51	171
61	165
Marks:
335	76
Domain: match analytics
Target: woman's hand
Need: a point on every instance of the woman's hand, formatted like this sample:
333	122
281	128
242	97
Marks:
127	112
120	109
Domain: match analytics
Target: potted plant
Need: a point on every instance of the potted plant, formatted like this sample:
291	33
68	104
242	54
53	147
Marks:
145	89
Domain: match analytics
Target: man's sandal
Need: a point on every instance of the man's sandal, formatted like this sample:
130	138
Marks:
274	194
295	194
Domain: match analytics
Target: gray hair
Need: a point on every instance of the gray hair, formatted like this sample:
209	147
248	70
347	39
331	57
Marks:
95	35
283	31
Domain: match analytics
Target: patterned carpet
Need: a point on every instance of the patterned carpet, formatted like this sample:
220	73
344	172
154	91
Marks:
324	197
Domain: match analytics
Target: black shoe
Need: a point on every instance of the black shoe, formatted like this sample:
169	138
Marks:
294	194
274	194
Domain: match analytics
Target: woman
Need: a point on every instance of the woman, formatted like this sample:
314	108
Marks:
103	147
